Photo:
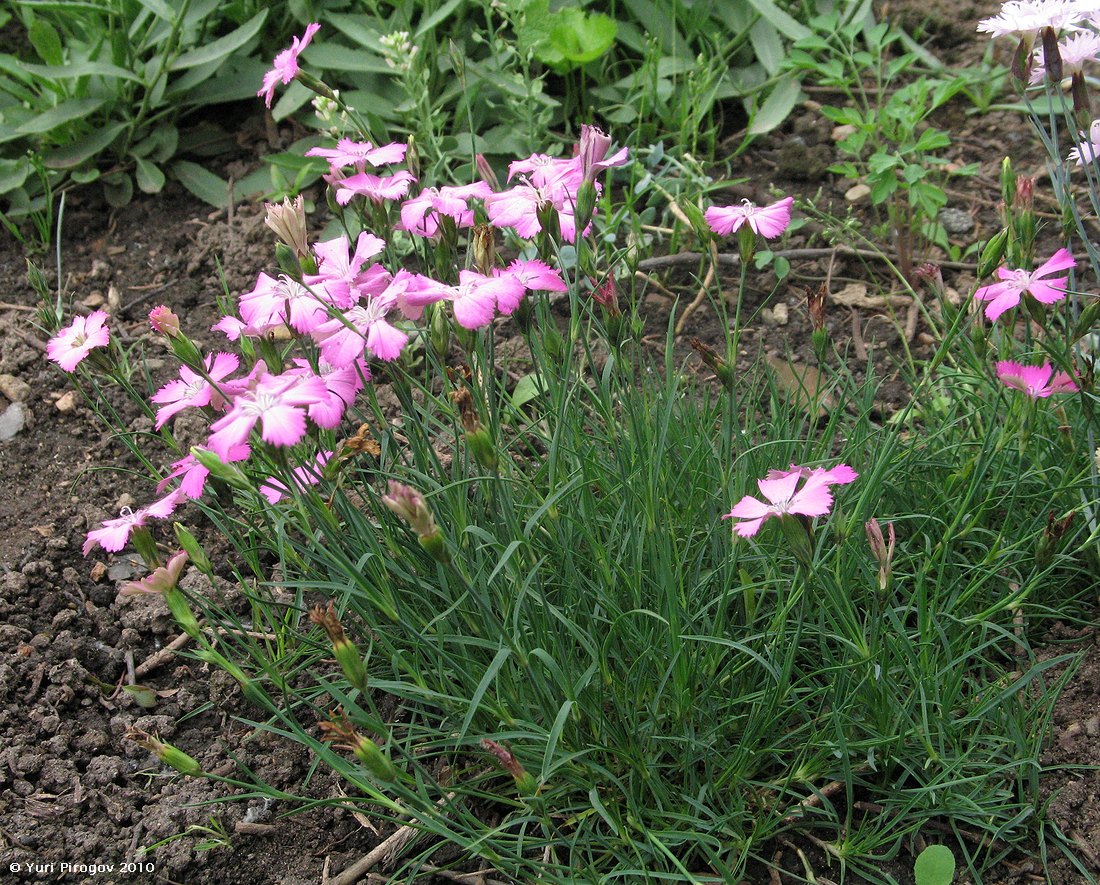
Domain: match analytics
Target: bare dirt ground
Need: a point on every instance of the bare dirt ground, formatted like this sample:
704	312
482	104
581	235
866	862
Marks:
72	789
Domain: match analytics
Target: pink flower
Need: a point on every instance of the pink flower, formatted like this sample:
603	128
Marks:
278	401
373	187
342	384
1075	51
1014	283
781	488
363	326
274	303
285	67
592	150
341	274
477	298
1035	381
535	275
358	154
764	221
274	489
194	474
69	346
114	533
191	388
420	215
518	207
164	321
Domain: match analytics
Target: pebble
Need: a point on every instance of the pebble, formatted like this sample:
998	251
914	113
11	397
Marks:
956	221
12	420
842	132
94	300
66	402
781	314
15	389
1092	726
857	192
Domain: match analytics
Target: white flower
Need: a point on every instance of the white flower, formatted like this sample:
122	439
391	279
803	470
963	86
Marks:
1027	17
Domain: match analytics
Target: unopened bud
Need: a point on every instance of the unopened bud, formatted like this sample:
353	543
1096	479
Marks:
525	782
164	321
412	158
344	650
1022	60
607	294
720	367
340	733
798	534
882	550
484	249
746	243
227	473
816	300
161	581
992	253
486	171
586	205
1079	92
288	221
477	437
1025	193
193	549
1052	56
166	753
409	505
1008	183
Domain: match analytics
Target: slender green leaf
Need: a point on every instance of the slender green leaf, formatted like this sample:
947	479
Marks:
440	15
777	107
82	69
46	42
334	57
781	20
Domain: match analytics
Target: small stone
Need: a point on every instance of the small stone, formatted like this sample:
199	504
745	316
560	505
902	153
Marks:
66	402
100	270
94	300
114	298
926	339
781	314
956	221
15	389
125	500
842	132
1092	726
857	192
98	572
12	420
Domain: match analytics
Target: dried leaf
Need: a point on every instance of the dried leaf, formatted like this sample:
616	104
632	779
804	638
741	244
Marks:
804	386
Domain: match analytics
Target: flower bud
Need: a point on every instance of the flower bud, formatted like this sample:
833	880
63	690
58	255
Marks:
586	205
1052	56
193	549
525	781
161	581
181	611
746	243
1052	535
992	253
477	437
1008	183
345	651
882	550
484	249
288	221
798	533
720	367
164	321
340	733
486	171
409	505
227	473
166	753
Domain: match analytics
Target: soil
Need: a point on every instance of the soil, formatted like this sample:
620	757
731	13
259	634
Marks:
73	790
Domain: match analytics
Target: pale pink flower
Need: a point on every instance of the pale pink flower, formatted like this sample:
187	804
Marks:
1014	283
69	346
1035	381
784	496
191	389
359	154
278	402
285	67
161	581
518	208
274	489
1088	149
764	221
1076	51
1025	18
375	188
592	150
114	533
274	303
420	215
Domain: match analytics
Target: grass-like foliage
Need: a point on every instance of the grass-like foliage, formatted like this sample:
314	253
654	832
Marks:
490	572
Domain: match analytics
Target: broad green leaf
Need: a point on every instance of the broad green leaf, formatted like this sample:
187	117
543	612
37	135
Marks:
435	18
118	189
333	57
13	173
935	866
66	112
46	42
223	47
150	178
767	45
578	38
656	22
160	9
81	69
776	107
83	149
236	80
359	29
527	388
84	176
782	22
203	183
